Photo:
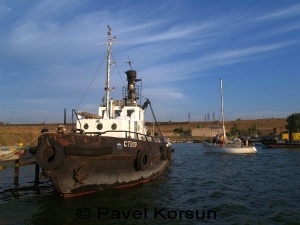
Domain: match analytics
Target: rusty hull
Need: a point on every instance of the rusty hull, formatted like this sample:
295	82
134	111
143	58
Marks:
95	163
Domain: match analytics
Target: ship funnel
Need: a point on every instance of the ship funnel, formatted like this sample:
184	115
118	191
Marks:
131	79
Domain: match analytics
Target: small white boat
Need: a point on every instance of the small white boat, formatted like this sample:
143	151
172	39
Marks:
230	147
11	152
233	148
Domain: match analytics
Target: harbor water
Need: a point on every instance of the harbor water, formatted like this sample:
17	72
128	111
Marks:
197	188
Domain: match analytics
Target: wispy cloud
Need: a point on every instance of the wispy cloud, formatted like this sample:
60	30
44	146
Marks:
185	32
4	9
47	10
234	56
274	31
287	12
168	94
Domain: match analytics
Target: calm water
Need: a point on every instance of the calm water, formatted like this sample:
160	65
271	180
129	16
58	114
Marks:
197	188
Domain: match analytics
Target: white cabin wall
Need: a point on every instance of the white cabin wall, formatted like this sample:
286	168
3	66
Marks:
126	118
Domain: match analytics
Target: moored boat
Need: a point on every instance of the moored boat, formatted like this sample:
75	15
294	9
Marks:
11	152
284	144
111	149
282	140
223	145
232	148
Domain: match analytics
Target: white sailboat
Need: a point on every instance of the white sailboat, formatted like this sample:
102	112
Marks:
232	147
11	152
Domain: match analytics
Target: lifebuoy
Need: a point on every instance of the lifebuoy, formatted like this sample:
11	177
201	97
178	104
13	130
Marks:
49	155
169	154
163	152
142	159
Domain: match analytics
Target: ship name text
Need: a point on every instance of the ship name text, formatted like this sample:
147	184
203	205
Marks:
130	144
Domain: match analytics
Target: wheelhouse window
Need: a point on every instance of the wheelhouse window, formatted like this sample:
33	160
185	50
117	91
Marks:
117	113
129	112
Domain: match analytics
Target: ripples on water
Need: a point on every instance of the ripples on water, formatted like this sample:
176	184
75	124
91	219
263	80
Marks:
241	189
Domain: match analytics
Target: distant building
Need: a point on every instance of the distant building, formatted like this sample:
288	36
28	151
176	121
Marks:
206	132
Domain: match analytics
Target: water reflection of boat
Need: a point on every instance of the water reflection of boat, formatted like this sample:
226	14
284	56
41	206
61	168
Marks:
110	150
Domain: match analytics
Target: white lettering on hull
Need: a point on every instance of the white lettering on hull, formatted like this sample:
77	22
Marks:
130	144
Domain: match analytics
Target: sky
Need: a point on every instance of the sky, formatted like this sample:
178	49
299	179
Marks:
51	59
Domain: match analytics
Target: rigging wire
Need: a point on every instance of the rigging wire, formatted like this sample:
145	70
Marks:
118	69
141	90
90	83
155	119
156	123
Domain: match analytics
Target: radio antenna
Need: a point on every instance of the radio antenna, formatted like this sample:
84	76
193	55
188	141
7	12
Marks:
129	62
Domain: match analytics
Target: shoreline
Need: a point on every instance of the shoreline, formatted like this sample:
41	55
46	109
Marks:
26	133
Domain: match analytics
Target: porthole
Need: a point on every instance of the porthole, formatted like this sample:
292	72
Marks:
86	126
99	126
114	126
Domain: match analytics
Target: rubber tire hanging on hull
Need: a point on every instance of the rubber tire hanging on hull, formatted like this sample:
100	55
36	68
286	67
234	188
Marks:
142	160
49	156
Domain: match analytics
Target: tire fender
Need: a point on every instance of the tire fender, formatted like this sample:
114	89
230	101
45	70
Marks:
142	159
50	154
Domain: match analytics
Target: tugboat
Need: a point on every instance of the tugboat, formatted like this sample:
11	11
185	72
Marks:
110	150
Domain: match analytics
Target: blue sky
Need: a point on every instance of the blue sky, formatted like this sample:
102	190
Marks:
49	56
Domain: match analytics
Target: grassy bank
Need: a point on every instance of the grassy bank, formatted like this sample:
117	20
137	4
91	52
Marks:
27	133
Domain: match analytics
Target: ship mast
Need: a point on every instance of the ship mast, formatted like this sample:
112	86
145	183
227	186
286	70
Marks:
107	83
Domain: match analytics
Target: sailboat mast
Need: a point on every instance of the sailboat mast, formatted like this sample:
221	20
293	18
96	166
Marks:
222	108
